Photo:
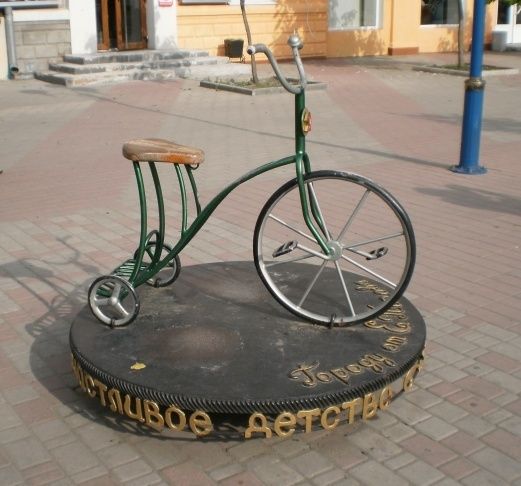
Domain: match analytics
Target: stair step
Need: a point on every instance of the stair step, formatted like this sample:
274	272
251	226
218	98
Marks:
113	67
132	56
72	68
78	80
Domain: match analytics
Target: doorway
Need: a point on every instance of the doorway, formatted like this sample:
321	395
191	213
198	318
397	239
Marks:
121	24
509	20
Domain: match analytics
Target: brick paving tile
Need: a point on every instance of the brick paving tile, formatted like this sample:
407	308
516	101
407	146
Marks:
224	472
372	472
420	473
436	428
278	474
483	477
429	450
43	473
463	443
186	474
497	463
245	478
332	476
506	442
459	468
310	464
478	406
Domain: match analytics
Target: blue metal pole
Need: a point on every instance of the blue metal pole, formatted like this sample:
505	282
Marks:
474	93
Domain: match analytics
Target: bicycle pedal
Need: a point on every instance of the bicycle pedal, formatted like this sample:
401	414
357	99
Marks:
285	248
375	254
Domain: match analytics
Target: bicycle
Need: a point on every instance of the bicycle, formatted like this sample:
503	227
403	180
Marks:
306	230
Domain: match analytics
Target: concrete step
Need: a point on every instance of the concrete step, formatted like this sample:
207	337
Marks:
75	80
133	56
74	74
72	68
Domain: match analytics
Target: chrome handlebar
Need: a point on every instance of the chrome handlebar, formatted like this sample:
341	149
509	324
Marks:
296	44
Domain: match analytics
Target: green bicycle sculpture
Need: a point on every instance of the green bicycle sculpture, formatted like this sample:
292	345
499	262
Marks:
331	247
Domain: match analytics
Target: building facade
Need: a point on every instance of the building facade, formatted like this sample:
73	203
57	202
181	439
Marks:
45	30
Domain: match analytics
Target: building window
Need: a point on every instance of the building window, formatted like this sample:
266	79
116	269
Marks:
439	12
503	11
353	14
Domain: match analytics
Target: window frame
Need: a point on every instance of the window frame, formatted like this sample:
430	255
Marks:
378	24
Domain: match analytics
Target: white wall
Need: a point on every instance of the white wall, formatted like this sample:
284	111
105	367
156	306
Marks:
83	26
161	25
3	51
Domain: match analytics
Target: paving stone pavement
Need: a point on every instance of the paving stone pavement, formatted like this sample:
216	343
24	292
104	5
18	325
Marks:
68	212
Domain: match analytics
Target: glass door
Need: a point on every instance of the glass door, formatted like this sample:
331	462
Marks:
509	20
133	32
121	24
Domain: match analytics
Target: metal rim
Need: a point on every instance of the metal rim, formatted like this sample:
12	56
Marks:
173	267
117	291
355	317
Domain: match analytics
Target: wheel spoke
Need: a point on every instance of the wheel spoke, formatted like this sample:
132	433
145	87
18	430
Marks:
353	214
369	271
116	290
121	310
289	260
312	252
346	292
299	232
101	301
374	240
312	283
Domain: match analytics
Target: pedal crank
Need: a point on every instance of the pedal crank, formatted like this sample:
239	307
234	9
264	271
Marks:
378	253
285	248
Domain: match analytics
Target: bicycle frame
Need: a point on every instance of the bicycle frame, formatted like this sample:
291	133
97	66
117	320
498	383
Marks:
310	209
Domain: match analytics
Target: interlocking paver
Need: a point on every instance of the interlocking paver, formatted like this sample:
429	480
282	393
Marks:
421	473
64	220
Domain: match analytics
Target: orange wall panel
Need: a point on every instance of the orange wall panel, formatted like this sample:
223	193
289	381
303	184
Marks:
206	26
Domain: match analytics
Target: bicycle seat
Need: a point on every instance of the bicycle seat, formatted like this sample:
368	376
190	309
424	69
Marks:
160	150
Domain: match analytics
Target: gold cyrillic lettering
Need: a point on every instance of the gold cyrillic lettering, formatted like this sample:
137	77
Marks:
89	385
101	391
308	416
138	414
354	368
385	398
115	401
370	406
324	377
153	417
351	409
325	416
82	379
305	370
181	416
283	421
257	423
408	379
341	374
200	423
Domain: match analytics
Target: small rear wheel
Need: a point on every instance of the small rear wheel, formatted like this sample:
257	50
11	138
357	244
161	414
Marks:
113	301
370	241
168	274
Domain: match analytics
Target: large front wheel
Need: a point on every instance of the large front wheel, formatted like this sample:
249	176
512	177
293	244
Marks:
371	249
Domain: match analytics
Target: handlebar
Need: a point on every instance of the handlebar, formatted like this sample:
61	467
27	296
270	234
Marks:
296	44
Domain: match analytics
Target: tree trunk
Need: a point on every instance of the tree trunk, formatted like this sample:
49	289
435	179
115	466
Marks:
254	75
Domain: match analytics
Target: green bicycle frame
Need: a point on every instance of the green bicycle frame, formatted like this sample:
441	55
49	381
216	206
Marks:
310	208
